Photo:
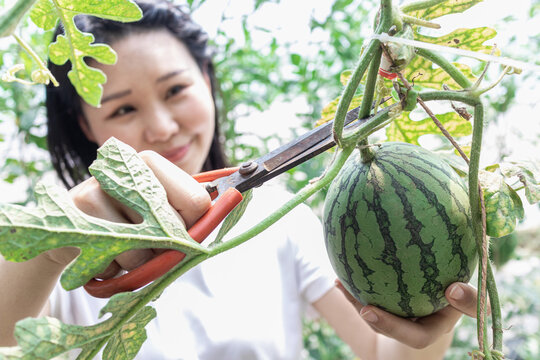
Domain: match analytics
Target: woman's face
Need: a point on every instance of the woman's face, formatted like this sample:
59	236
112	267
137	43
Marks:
156	98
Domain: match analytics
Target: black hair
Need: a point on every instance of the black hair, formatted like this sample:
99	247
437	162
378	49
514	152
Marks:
71	152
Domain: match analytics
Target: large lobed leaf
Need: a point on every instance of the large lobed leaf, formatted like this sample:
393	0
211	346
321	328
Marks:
56	222
124	333
76	45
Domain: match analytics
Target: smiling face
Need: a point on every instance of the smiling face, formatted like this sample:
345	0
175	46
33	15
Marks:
156	98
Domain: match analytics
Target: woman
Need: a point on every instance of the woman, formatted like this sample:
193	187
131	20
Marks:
244	304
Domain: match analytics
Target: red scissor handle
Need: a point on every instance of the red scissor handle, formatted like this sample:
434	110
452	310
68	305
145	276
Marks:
164	262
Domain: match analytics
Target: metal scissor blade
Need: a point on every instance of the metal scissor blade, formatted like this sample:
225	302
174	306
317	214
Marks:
287	156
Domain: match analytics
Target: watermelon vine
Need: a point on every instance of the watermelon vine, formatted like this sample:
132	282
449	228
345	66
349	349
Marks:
372	56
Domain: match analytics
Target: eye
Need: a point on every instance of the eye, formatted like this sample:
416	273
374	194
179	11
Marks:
174	90
122	110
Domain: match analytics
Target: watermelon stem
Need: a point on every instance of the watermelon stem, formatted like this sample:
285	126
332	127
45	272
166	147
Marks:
366	153
365	108
486	277
299	198
354	81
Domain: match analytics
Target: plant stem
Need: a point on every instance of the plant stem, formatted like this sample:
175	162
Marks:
420	22
496	315
434	118
465	97
36	58
458	96
352	137
152	291
447	66
420	5
11	18
369	89
478	221
365	108
303	195
348	93
148	294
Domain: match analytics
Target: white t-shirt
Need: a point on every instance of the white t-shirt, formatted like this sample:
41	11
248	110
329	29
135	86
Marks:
246	303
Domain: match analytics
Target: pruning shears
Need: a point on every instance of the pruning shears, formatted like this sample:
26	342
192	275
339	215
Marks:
226	186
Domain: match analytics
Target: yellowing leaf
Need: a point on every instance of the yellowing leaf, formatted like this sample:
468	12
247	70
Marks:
445	8
329	111
345	76
466	39
503	205
405	129
421	72
46	338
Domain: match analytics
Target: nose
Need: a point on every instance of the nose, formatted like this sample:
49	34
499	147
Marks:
160	125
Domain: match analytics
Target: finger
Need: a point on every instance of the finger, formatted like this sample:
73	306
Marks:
357	304
111	271
131	259
184	193
416	333
92	200
464	297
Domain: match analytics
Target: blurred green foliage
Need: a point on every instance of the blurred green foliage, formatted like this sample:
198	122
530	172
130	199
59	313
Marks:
21	116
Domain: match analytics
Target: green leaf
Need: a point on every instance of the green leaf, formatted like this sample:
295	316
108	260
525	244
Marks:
503	205
75	45
126	342
56	222
232	219
47	337
528	173
445	8
405	129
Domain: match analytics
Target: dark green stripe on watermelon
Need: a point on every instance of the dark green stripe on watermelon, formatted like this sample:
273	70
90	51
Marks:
398	229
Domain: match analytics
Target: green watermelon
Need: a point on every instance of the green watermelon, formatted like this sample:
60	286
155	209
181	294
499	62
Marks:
398	229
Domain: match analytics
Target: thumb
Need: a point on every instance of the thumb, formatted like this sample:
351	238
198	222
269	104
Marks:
463	297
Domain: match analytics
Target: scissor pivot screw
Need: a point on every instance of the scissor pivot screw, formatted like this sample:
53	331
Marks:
248	167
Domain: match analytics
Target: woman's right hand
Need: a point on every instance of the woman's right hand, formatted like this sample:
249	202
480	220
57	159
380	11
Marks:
186	196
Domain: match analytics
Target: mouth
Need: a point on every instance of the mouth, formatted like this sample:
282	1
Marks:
176	154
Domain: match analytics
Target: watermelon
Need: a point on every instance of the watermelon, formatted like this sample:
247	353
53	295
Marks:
398	229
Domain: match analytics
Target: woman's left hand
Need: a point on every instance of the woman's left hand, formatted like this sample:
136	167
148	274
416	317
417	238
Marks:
421	332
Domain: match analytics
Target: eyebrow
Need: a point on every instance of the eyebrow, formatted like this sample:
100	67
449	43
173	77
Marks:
169	75
127	92
115	96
